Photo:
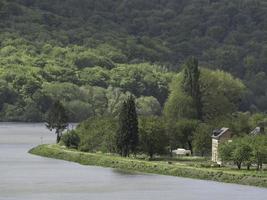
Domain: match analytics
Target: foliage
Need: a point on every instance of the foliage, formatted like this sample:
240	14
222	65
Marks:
246	150
259	145
122	137
97	54
164	168
191	85
71	139
115	43
87	41
127	135
186	129
148	106
57	119
97	134
178	105
153	139
220	95
104	96
132	119
202	139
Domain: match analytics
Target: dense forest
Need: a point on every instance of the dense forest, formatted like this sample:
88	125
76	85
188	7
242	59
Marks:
91	55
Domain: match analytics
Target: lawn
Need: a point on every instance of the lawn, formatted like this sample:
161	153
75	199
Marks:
189	167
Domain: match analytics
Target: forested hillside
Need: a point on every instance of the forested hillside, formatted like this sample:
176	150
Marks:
90	54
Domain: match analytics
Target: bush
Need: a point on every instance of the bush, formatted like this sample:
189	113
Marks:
98	134
71	139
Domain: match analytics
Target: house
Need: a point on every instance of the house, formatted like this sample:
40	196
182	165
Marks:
219	136
257	131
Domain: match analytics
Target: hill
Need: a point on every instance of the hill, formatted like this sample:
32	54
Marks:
53	46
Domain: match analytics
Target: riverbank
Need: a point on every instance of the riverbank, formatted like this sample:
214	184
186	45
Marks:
252	178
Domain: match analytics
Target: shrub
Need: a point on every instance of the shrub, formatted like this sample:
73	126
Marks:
98	134
71	139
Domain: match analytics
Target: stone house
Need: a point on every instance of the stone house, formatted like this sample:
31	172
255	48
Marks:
257	131
219	136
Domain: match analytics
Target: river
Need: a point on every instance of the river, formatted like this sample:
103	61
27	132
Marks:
28	177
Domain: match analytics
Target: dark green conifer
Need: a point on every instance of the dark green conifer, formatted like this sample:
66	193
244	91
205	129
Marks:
127	135
133	124
122	133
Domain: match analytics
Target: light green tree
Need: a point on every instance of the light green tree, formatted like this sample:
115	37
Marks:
153	138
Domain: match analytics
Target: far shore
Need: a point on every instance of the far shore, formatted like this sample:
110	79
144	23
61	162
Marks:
252	178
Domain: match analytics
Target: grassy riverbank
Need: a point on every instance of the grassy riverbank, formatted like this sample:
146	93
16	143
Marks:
180	169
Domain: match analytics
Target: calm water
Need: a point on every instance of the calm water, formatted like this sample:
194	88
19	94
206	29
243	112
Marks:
24	176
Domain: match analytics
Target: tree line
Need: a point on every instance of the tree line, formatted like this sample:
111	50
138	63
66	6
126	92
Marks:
248	151
224	35
200	100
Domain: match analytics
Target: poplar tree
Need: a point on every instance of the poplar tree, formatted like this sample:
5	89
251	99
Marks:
191	84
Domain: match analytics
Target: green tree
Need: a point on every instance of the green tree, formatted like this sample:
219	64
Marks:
71	139
122	137
191	84
225	151
57	119
259	146
133	124
186	129
98	134
127	135
220	97
178	105
148	106
202	139
221	94
239	152
152	135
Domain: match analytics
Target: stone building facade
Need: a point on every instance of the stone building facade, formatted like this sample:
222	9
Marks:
219	136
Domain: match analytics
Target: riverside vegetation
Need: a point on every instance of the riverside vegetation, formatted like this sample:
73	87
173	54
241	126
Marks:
187	121
183	167
124	69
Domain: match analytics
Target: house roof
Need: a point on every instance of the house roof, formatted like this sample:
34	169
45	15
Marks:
219	132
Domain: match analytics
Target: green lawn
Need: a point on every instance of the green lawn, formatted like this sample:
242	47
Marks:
184	167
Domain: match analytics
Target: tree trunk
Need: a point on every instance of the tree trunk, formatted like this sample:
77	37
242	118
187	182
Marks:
239	165
171	152
151	155
58	136
258	166
190	147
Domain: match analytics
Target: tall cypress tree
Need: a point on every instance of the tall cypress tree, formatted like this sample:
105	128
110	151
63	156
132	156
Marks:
127	135
191	84
133	124
122	139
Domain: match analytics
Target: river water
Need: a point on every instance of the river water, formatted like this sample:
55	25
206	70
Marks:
28	177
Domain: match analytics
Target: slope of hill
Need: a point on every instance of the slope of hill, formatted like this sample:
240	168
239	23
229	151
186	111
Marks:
59	41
